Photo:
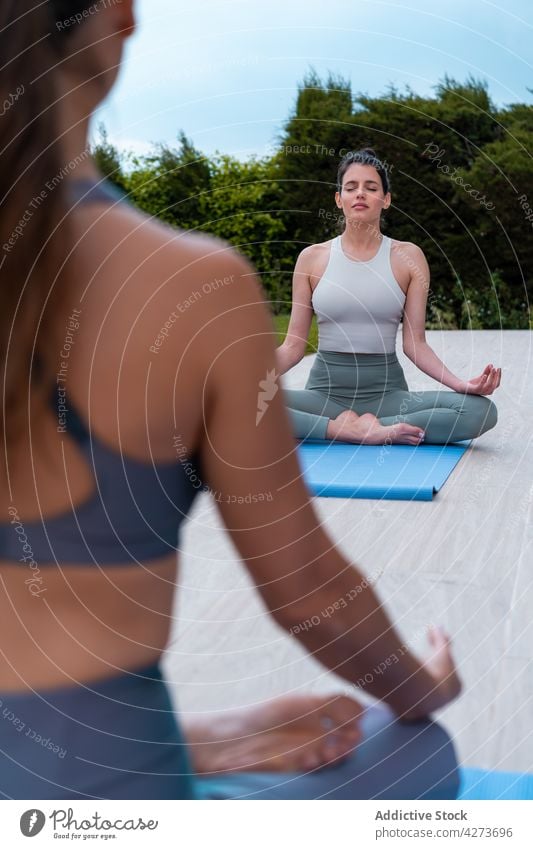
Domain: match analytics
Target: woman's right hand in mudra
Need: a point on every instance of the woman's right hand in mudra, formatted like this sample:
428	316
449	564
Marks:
485	384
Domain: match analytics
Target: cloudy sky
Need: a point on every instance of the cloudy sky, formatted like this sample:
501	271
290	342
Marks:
227	71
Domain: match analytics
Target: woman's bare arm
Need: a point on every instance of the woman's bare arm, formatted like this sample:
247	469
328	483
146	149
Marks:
247	449
293	348
415	345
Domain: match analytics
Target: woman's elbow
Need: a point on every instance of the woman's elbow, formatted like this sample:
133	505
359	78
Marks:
409	350
294	352
411	347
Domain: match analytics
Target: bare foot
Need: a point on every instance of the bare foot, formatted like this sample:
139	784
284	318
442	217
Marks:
287	734
367	430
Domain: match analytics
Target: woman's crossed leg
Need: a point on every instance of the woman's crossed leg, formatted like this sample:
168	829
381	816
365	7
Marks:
397	416
315	416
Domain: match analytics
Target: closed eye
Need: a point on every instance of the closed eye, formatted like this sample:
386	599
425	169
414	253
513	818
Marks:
368	188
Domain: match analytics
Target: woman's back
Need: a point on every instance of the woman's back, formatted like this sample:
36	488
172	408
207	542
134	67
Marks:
125	276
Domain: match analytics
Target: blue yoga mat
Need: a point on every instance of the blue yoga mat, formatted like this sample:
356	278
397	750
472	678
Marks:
479	784
404	472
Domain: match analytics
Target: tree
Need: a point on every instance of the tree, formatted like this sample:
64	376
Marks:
107	158
503	173
436	150
305	163
242	208
462	188
169	183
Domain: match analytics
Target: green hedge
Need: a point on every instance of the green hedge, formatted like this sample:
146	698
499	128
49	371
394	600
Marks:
462	188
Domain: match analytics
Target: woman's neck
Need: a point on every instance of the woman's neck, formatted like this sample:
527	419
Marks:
362	237
76	159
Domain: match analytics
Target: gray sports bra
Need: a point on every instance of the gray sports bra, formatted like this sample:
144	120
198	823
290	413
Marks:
358	304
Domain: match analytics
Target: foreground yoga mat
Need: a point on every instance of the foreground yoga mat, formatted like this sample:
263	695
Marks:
404	472
479	784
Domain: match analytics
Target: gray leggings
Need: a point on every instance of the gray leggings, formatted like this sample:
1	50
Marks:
375	383
394	760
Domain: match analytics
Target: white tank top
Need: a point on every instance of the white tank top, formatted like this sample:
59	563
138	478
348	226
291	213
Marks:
358	304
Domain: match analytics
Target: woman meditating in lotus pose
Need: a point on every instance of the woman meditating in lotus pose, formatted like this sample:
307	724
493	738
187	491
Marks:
360	285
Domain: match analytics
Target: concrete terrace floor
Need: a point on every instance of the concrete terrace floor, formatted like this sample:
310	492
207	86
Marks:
464	560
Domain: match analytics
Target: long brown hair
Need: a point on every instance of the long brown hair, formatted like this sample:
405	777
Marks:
32	249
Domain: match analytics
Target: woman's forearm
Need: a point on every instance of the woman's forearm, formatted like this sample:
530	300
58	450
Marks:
286	358
347	629
425	358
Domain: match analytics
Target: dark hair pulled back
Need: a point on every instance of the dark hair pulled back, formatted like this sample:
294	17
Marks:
364	156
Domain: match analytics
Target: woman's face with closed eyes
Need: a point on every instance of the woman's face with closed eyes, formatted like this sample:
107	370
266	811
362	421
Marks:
361	196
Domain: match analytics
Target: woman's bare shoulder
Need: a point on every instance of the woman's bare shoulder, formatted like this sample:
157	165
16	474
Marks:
163	243
409	262
146	265
318	249
314	258
406	251
150	296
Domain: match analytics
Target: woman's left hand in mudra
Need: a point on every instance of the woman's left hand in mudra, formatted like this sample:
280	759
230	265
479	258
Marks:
485	384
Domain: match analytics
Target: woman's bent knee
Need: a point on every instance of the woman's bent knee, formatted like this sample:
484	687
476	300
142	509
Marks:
478	414
488	416
408	760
